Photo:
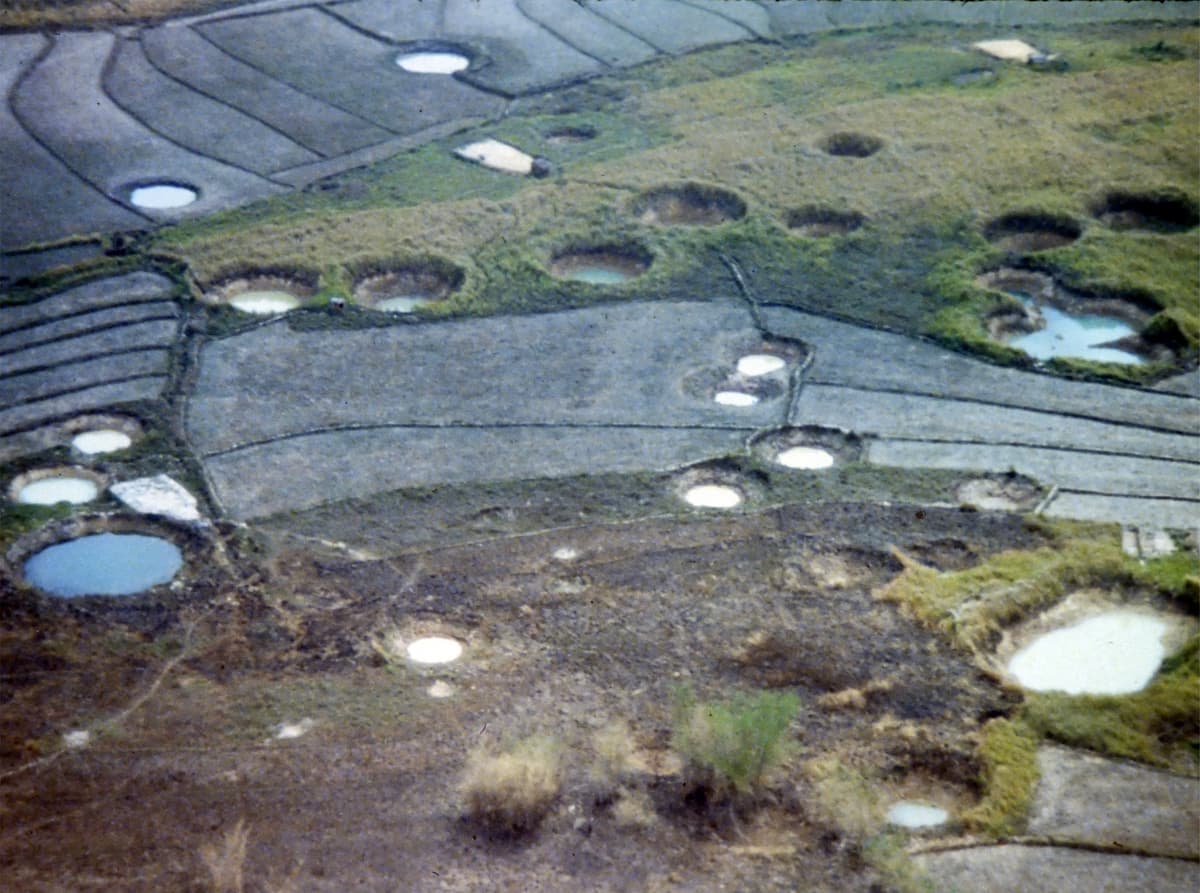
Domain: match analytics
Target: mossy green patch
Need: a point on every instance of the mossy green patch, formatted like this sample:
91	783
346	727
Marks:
1008	750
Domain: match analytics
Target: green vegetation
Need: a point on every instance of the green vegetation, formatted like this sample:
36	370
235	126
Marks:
957	152
1158	725
730	747
511	791
1010	773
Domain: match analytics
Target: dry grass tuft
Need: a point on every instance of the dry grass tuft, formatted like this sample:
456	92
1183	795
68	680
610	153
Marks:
226	859
512	791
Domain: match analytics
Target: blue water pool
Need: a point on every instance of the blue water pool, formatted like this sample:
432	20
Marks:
104	564
1079	336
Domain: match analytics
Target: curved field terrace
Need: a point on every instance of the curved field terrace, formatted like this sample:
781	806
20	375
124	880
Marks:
687	516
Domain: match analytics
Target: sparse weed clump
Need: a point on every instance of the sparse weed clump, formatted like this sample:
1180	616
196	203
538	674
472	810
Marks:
511	791
225	859
730	747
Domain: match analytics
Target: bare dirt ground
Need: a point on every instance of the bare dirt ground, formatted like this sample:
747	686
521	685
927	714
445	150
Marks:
183	703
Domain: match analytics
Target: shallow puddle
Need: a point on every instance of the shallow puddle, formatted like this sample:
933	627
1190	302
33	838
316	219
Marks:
735	398
434	650
104	564
264	301
599	275
53	490
101	440
1112	653
808	458
1079	336
402	304
912	814
433	62
755	364
163	196
713	496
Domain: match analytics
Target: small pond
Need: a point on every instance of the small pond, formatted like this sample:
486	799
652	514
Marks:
805	457
1081	336
163	196
756	364
1109	654
433	62
104	564
264	301
101	440
713	496
598	274
735	398
913	814
53	490
434	650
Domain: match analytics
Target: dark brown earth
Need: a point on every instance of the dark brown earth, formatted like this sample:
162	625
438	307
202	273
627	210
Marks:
183	700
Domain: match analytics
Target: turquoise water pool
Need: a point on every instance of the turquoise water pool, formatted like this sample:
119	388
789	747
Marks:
1079	336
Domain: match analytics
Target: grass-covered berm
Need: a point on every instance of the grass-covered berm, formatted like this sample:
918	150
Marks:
921	140
1158	725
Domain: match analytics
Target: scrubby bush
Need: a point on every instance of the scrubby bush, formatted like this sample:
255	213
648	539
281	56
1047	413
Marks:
729	747
510	792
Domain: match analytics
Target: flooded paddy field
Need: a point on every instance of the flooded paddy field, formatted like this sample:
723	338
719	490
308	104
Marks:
713	479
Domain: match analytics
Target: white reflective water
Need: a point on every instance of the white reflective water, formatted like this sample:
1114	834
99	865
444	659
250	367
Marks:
265	301
1113	653
434	650
911	814
805	457
163	196
433	62
401	303
49	491
713	496
101	440
756	364
599	275
735	398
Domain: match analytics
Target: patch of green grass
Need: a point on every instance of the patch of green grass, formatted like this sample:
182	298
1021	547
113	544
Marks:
972	606
1156	725
730	747
1008	751
752	118
17	520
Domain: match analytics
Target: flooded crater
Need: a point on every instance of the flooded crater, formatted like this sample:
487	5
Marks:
104	564
1089	644
433	60
50	486
407	288
263	294
690	204
162	195
1052	321
601	264
97	435
810	448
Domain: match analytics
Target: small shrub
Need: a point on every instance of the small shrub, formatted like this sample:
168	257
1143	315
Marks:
729	747
511	792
